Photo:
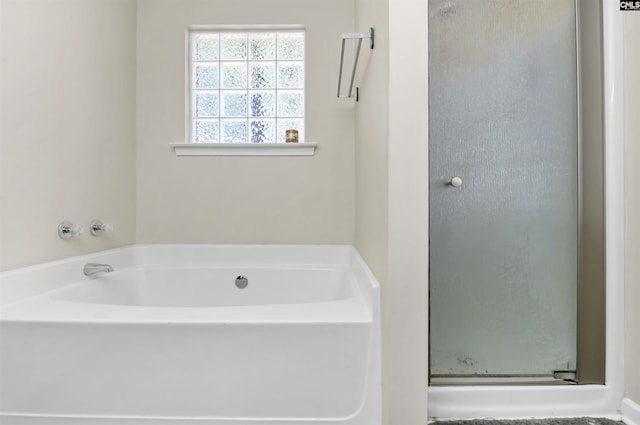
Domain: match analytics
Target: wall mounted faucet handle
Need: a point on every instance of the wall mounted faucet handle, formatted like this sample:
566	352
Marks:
67	230
97	227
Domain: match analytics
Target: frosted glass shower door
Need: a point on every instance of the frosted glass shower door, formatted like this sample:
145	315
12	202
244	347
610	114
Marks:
503	164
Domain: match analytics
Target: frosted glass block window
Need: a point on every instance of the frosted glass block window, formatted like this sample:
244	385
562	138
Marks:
246	86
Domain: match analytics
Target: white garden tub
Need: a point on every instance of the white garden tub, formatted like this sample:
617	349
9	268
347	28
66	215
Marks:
169	338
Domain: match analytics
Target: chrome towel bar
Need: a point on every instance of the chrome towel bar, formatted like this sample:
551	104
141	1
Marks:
357	36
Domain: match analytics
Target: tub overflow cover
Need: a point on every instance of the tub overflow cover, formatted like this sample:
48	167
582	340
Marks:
242	282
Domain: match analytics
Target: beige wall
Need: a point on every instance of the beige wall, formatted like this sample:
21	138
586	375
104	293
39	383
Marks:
391	194
407	276
372	137
242	199
371	160
67	119
632	272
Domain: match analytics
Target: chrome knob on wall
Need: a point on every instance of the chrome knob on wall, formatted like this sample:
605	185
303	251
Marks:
67	230
97	227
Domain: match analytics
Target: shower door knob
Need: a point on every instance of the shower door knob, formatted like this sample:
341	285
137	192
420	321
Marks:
456	182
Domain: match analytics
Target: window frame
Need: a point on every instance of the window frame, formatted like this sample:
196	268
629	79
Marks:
277	118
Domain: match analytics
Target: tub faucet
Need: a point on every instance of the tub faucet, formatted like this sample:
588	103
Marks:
93	268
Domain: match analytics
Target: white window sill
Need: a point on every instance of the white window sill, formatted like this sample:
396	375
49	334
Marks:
244	149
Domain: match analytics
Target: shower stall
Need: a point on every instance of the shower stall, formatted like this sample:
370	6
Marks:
520	207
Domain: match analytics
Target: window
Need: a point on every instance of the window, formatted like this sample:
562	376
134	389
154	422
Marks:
246	86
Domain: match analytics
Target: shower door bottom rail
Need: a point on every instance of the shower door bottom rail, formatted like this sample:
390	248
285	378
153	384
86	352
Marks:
557	378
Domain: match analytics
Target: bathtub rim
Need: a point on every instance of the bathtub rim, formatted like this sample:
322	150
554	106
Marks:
29	302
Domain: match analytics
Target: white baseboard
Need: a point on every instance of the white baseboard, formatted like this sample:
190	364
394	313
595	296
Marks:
630	412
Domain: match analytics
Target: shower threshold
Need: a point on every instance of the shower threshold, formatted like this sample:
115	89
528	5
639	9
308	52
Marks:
558	377
464	380
551	421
